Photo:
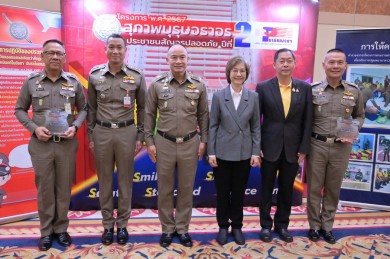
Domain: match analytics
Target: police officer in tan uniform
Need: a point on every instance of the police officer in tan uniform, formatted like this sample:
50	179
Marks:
328	160
53	156
181	99
114	89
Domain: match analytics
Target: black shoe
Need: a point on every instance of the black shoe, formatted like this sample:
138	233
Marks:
328	236
238	236
166	239
222	236
108	236
185	239
63	238
284	234
45	243
266	235
313	235
122	236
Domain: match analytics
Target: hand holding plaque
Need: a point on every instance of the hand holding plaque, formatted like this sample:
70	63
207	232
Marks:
347	128
56	122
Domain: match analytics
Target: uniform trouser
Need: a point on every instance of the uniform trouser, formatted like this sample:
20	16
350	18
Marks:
326	166
231	178
54	166
184	157
286	178
115	146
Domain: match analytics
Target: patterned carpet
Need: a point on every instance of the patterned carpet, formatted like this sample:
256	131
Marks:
360	233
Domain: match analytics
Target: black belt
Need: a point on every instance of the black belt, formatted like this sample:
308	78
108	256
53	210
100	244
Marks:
177	139
54	138
115	125
324	139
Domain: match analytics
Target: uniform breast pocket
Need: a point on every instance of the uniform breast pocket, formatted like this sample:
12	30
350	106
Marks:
68	96
103	93
191	101
347	107
165	102
128	89
321	105
40	101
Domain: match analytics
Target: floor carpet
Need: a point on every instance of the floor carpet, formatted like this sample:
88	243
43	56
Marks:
360	233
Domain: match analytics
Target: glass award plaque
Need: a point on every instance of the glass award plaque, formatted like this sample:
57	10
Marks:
56	122
347	128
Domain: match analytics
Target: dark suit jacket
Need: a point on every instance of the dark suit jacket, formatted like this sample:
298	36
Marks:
277	131
234	135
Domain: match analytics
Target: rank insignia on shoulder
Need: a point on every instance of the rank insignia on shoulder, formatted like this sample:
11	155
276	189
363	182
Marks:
197	78
34	75
192	86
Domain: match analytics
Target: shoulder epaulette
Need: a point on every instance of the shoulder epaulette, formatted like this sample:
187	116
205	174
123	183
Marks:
32	75
160	76
197	78
351	84
315	83
71	75
134	69
98	67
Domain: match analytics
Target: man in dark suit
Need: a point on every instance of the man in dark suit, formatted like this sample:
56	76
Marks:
286	108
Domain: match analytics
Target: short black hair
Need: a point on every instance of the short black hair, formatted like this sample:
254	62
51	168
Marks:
53	41
116	36
283	50
335	50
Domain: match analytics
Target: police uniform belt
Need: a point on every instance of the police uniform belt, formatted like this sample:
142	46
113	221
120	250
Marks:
54	138
177	139
115	125
323	138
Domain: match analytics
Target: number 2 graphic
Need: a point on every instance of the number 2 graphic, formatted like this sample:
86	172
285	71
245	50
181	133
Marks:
245	30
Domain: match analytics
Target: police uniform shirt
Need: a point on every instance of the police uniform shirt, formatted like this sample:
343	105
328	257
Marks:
43	94
106	94
331	103
182	107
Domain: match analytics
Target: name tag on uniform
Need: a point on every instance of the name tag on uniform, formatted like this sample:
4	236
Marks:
127	101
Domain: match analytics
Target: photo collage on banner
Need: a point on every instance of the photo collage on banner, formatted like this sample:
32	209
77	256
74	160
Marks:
367	179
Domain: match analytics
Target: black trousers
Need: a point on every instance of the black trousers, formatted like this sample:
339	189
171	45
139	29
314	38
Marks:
286	177
231	178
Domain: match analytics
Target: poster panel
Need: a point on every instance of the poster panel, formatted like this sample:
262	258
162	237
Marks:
368	57
23	32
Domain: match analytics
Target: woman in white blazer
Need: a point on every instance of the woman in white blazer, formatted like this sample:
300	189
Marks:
233	146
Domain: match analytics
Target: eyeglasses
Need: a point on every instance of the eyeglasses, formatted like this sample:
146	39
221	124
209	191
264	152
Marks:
236	72
59	54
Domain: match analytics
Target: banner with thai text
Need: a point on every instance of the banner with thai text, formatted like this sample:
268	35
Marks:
23	32
213	32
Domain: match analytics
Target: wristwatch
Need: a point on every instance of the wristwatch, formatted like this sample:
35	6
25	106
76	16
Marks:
77	128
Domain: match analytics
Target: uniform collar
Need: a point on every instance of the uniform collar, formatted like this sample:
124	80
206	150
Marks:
187	77
44	75
106	69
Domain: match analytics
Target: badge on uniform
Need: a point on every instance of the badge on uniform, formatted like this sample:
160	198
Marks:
192	86
68	107
295	90
127	100
129	79
39	86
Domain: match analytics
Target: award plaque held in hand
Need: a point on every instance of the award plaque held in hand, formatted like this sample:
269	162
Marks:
347	128
56	122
